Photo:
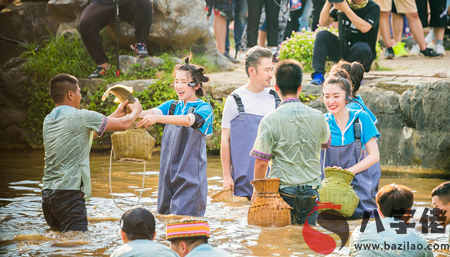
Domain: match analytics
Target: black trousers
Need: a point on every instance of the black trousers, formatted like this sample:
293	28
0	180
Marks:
327	45
65	209
97	16
254	14
317	8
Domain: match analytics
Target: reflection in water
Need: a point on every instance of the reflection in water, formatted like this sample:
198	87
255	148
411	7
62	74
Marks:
23	230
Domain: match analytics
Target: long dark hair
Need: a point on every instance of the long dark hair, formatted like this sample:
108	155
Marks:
195	72
355	70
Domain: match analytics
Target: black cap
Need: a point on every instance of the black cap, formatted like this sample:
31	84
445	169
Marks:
138	221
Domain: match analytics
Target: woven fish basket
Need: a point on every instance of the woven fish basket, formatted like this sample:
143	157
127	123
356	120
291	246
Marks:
337	189
223	195
339	173
269	209
132	145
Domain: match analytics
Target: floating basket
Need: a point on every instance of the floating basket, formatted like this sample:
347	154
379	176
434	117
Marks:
132	145
269	209
337	189
223	195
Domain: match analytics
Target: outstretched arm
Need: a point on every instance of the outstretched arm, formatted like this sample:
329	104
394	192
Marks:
181	120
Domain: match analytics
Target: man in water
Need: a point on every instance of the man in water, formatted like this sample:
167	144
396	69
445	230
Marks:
137	228
441	200
68	133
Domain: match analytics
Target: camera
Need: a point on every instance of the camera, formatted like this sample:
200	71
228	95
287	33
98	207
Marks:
335	1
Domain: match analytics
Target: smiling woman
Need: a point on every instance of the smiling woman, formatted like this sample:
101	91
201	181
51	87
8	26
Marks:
182	188
353	145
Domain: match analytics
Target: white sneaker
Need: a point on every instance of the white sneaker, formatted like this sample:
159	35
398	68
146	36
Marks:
440	49
415	50
429	37
431	45
241	55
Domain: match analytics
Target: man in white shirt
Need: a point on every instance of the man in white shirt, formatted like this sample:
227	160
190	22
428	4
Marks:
243	111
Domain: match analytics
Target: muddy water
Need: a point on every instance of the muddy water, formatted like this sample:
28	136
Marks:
23	230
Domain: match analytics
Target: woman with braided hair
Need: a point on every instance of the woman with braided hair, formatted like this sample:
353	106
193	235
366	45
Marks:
182	180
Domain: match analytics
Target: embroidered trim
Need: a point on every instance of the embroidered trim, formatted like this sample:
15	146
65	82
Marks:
261	156
327	144
103	126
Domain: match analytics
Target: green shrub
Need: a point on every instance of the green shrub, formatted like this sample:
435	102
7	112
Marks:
300	47
56	55
69	55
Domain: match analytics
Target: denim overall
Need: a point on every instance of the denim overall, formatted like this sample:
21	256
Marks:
182	179
243	131
363	183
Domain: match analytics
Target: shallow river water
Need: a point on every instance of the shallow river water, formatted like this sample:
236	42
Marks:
23	230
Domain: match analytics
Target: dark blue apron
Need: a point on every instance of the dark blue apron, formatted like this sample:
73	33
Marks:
243	131
346	156
182	178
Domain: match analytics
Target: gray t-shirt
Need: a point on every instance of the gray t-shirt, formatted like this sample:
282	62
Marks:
142	248
68	134
291	138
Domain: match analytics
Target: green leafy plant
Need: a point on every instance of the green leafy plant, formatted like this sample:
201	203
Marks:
56	55
68	55
300	47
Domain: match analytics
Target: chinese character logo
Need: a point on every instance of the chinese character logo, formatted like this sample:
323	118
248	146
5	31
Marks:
330	220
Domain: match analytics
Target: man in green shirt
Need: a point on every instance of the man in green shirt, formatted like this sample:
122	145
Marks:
290	139
68	133
441	200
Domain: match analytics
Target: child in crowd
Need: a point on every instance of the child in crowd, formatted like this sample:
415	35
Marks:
352	134
182	180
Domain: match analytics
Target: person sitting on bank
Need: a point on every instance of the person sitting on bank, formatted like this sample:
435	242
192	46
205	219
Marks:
394	202
291	138
99	13
137	228
361	29
190	238
441	200
68	133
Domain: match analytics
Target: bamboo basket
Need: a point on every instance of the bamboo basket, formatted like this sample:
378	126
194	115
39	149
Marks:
337	189
223	195
132	145
269	209
339	173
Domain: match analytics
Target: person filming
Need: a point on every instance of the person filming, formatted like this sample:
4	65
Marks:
360	30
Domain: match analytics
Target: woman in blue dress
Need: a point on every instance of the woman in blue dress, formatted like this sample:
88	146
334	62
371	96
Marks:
353	141
183	185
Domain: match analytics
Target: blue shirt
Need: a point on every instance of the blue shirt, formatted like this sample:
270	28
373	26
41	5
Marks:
338	138
201	107
143	247
358	104
205	250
